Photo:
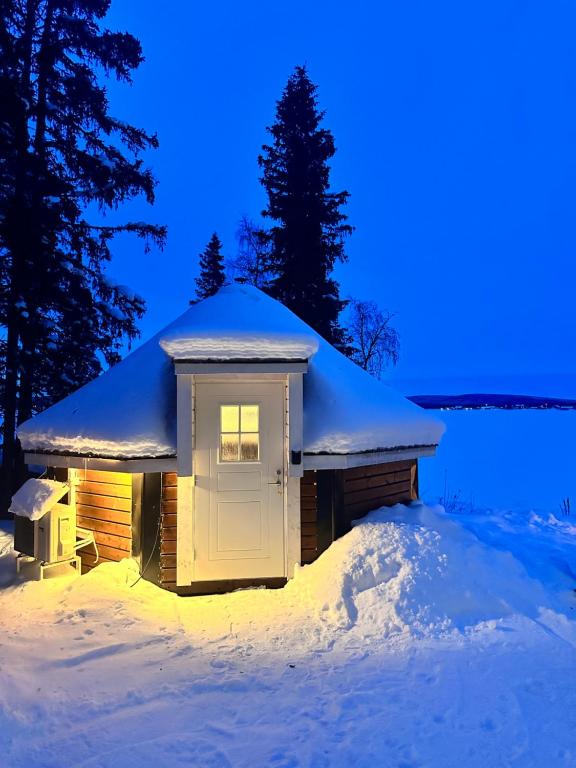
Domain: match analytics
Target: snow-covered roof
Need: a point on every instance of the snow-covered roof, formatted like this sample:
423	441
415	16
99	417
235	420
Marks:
36	497
130	410
226	329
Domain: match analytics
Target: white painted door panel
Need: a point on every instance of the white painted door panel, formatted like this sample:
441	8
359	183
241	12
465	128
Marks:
239	512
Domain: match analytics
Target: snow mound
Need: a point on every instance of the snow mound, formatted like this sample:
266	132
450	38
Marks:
7	555
6	542
414	570
402	572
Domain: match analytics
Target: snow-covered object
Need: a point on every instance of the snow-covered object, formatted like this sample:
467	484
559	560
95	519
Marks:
232	326
37	497
348	411
130	410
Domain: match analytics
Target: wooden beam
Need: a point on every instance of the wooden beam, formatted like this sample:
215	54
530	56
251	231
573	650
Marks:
165	464
201	368
346	460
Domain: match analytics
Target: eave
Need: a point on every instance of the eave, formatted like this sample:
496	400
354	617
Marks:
366	458
105	464
169	463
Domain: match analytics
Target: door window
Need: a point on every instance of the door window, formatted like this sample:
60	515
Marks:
239	432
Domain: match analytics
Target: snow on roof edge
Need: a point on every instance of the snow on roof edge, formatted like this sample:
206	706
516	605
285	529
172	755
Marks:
152	457
370	451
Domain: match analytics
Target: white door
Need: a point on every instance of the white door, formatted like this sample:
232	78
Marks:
239	510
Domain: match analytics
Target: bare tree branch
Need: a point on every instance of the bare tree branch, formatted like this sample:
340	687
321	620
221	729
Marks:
375	342
252	264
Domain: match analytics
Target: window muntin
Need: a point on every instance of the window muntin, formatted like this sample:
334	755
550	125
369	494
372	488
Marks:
239	432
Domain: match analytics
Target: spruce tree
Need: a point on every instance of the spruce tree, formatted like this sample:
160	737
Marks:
212	275
309	226
63	157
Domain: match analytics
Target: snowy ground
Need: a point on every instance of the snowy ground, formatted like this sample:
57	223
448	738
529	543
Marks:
419	640
523	459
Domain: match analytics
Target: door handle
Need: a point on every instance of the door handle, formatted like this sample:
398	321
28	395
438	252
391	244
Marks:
278	481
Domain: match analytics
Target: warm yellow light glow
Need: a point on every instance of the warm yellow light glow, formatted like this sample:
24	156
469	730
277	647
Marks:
229	447
249	420
249	446
239	436
229	418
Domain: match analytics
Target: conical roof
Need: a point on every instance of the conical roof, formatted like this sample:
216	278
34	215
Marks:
130	410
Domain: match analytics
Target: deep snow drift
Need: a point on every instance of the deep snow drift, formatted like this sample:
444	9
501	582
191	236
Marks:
419	639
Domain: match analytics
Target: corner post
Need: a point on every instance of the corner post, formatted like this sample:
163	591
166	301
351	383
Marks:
185	465
295	466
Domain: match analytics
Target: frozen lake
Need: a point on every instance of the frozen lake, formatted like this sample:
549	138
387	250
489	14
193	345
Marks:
505	459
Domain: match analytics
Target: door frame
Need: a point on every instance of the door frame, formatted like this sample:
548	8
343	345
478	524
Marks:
186	409
241	496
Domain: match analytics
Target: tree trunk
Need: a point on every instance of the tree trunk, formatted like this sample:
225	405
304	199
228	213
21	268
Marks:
9	408
9	474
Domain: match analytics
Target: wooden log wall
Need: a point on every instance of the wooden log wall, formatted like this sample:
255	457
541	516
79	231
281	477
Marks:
168	527
331	499
104	505
309	516
381	485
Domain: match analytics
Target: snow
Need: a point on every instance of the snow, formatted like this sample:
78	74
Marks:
130	410
348	411
499	458
123	290
240	323
418	639
36	497
128	293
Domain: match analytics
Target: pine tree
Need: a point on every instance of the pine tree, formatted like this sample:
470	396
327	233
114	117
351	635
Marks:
212	276
62	157
309	225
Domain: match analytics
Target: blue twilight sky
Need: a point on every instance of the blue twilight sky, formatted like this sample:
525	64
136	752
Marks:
455	124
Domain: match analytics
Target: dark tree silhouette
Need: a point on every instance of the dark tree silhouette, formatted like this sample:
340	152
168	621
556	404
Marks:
62	157
212	276
309	226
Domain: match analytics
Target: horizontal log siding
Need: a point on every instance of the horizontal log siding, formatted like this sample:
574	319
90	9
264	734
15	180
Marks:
168	527
381	485
337	497
104	505
309	516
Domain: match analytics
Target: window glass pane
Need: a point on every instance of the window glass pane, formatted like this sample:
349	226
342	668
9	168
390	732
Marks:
229	447
249	418
229	418
249	447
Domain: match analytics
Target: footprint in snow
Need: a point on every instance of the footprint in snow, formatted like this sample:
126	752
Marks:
219	664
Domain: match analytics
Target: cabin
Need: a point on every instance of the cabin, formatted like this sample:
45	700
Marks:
231	446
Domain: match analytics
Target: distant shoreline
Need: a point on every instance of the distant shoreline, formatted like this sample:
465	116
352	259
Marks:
489	401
